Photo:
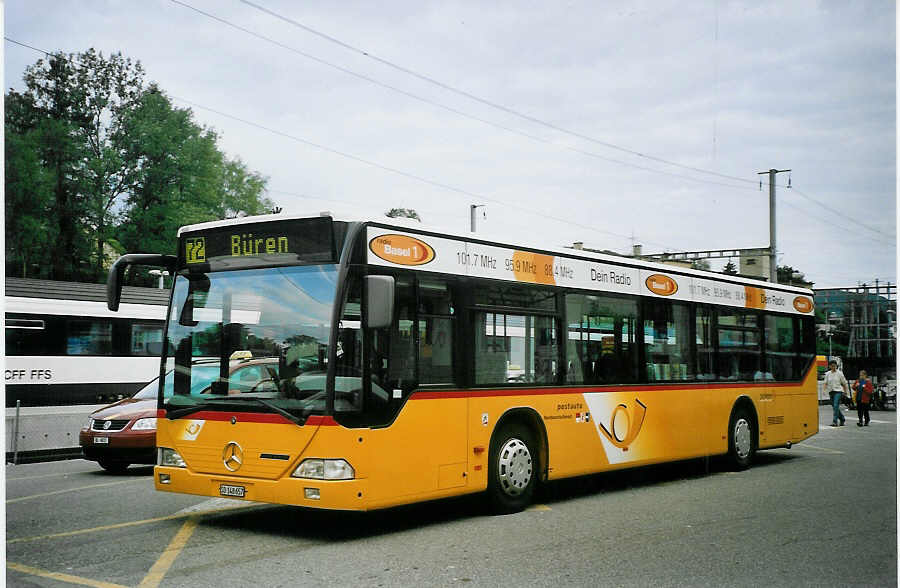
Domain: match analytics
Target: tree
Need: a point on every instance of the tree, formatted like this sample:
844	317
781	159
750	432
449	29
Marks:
788	275
403	213
96	158
701	264
730	268
29	190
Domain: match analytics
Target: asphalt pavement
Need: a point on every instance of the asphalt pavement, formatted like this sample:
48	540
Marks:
823	513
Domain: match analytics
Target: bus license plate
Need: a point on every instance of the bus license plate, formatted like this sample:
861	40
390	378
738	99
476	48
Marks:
101	440
228	490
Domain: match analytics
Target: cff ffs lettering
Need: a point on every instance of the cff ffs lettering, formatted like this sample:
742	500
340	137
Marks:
28	375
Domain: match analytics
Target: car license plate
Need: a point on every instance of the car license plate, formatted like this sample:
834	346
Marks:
101	440
229	490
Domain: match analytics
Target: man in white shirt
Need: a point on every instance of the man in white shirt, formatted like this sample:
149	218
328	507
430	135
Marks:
836	387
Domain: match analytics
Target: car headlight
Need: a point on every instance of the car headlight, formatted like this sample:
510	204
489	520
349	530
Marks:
324	469
169	457
87	426
148	424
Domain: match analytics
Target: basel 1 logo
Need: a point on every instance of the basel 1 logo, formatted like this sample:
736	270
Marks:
624	425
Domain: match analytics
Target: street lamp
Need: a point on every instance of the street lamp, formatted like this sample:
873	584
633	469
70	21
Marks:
161	274
831	315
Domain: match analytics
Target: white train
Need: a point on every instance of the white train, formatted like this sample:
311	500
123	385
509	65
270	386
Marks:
64	347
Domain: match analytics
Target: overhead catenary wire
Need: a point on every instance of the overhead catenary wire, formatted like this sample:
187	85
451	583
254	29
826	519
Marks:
487	102
450	108
540	213
840	214
447	186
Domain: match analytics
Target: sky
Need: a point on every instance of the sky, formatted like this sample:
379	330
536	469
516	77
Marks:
610	123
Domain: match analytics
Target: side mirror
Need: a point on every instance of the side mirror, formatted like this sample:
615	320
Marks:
117	273
379	301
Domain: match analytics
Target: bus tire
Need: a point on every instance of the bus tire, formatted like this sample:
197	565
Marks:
113	467
741	438
512	471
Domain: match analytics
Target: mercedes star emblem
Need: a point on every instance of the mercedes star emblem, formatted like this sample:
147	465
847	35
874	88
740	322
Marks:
233	456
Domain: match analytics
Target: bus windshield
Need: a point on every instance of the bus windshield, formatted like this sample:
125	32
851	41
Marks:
253	340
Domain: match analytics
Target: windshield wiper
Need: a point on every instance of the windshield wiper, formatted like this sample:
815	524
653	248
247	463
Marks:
236	400
177	413
300	420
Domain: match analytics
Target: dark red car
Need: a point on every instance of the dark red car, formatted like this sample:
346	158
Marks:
124	432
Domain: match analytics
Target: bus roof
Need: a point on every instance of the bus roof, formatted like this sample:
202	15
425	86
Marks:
414	226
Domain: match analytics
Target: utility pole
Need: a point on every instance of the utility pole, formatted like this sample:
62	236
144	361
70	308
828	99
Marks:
472	208
773	267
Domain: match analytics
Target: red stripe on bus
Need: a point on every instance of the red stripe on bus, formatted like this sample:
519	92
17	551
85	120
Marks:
254	417
430	395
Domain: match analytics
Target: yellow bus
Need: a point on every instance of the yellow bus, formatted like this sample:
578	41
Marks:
404	364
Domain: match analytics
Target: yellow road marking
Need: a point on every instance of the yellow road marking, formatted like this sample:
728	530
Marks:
10	501
60	577
538	507
156	574
126	524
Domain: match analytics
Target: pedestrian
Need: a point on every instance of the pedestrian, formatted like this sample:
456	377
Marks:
864	389
836	387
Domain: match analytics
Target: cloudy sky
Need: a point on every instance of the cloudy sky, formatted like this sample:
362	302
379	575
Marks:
611	123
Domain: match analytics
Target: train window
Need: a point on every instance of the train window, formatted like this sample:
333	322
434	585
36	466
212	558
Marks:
14	323
89	337
25	337
146	339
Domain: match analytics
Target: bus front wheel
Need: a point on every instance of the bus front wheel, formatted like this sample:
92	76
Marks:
741	438
513	469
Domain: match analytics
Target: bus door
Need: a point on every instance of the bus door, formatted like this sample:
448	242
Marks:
417	421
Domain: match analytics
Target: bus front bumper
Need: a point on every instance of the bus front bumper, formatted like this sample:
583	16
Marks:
325	494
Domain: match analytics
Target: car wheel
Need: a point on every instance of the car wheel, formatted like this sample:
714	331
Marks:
512	471
114	467
741	438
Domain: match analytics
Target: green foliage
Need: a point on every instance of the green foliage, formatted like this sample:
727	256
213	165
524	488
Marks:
98	163
730	268
701	264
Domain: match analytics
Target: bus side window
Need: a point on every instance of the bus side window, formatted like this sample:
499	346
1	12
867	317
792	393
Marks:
436	315
600	339
402	353
779	346
667	340
705	344
739	341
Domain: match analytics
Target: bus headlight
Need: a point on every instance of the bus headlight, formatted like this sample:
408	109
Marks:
148	424
324	469
169	457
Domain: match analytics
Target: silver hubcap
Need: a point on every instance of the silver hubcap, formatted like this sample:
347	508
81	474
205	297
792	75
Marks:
742	440
514	467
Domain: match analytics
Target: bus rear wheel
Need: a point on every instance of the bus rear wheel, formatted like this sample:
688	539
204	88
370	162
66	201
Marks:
512	469
741	439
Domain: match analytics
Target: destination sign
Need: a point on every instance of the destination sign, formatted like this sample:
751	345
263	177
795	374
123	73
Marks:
289	242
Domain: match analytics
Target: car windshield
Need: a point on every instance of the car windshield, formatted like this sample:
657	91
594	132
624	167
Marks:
201	378
255	338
